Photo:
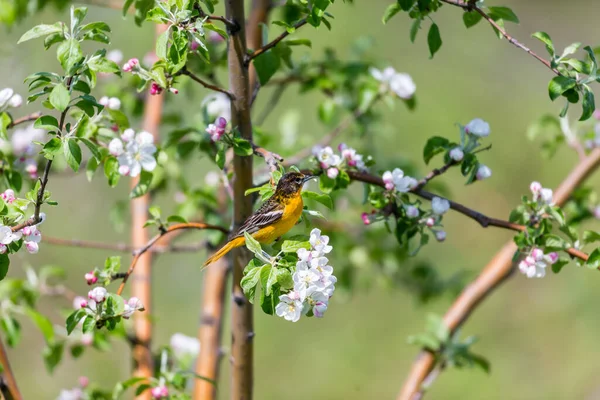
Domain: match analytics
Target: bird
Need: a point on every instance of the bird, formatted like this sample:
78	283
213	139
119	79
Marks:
277	215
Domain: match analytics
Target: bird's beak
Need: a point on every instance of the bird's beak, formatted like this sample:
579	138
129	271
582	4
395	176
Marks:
307	178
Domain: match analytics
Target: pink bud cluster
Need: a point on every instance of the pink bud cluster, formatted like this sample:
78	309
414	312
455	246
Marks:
8	196
132	305
369	218
131	65
534	265
155	89
542	195
98	294
160	392
91	278
217	130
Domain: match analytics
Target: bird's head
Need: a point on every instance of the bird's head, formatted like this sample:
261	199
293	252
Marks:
292	182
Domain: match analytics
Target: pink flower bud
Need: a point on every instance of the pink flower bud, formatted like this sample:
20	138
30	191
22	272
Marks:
90	278
174	90
552	257
98	294
214	37
78	302
221	123
160	392
537	254
32	247
535	188
430	222
523	267
194	45
365	218
8	196
440	236
84	381
124	170
83	303
26	231
332	173
130	65
87	339
342	147
530	260
155	89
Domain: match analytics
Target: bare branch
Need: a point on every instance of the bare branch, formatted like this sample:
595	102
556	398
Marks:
8	375
26	118
206	84
122	247
273	43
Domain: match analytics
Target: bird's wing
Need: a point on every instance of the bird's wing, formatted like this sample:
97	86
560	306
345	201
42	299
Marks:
267	214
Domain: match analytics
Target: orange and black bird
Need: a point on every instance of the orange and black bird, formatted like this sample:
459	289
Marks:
274	218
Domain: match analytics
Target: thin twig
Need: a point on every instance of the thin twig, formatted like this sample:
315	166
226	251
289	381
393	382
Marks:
496	272
480	218
123	247
470	6
138	253
26	118
273	43
206	84
272	159
8	374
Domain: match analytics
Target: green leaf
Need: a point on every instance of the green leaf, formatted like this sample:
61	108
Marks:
390	11
435	145
111	171
436	326
321	198
52	355
292	246
414	29
284	278
90	168
92	147
252	244
558	265
242	147
588	103
47	122
504	13
590	237
143	185
558	85
41	30
434	40
220	157
72	153
4	264
60	97
406	5
112	265
593	261
266	66
249	282
119	117
52	148
74	318
471	18
161	44
544	38
554	242
42	323
176	219
155	212
13	330
69	54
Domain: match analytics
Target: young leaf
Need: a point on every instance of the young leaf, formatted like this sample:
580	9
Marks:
59	97
434	40
143	185
544	38
111	171
471	18
266	66
558	85
72	153
47	122
74	319
321	198
252	244
414	29
435	145
4	264
504	13
588	103
390	11
41	30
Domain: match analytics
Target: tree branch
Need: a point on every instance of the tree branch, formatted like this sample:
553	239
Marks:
8	375
123	247
26	118
470	6
259	15
272	159
241	309
207	85
147	246
273	43
497	270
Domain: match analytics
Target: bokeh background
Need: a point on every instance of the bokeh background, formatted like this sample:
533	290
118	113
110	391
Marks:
540	335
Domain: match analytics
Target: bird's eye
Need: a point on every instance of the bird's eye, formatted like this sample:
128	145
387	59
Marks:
298	180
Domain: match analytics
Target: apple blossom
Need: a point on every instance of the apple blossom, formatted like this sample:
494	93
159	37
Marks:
440	236
332	173
478	127
8	196
160	392
91	278
483	172
411	211
439	205
327	158
131	64
289	308
456	154
319	242
183	345
430	222
98	294
137	155
399	83
218	105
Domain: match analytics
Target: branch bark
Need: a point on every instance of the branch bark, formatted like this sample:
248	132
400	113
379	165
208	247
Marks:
495	273
8	375
241	314
259	14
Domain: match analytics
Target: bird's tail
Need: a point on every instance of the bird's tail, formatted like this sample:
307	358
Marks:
237	242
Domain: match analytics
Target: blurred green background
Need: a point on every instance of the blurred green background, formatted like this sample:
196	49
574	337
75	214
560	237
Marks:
540	335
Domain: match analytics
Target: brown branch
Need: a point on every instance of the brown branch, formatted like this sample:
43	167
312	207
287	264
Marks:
272	159
259	15
123	247
273	43
26	118
470	6
8	375
242	373
148	245
497	270
206	84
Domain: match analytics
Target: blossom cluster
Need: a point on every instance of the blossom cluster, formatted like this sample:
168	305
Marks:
135	152
314	282
30	235
218	129
8	98
332	163
112	103
22	146
399	83
397	180
534	265
77	393
133	65
98	295
543	196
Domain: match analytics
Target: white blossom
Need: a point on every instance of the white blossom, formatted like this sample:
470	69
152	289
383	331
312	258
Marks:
5	95
402	183
112	103
98	294
183	345
73	394
456	154
478	127
319	242
289	307
399	83
218	105
439	205
483	172
411	211
534	265
440	236
115	56
138	154
328	158
22	140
